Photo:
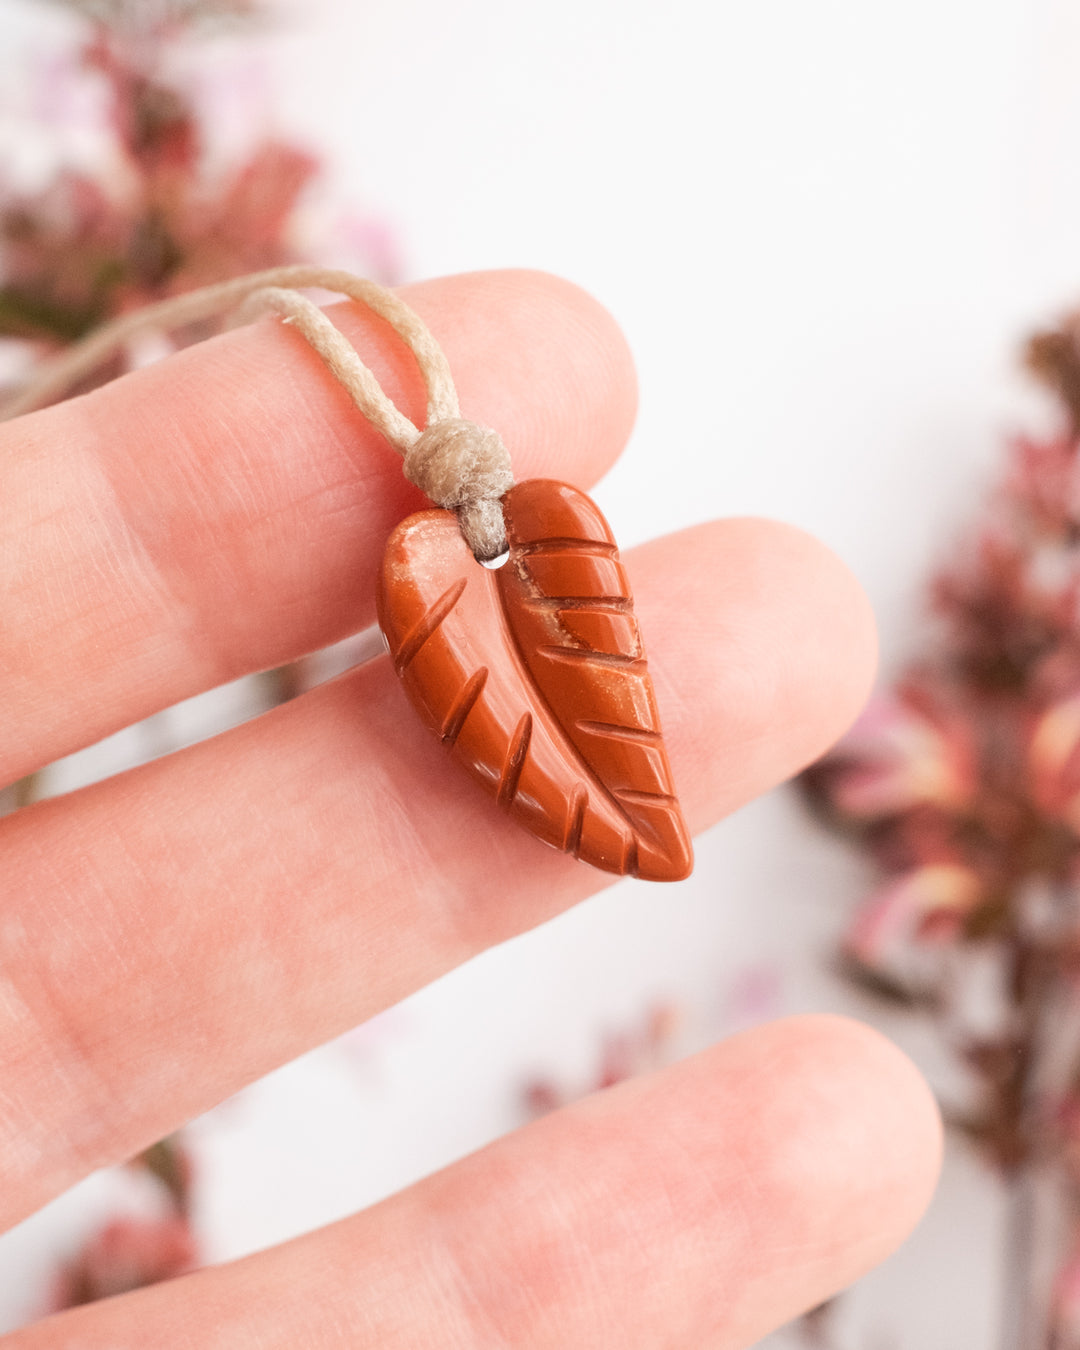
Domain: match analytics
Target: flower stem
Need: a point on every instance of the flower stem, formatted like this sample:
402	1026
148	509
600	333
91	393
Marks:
1019	1311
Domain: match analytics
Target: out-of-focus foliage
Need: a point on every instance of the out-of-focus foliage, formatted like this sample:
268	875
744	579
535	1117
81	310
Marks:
161	219
962	785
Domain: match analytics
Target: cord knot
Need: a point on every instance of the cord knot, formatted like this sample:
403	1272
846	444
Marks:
465	468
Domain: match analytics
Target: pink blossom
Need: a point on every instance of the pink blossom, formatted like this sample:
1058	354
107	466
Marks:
1054	760
898	756
126	1254
966	791
1044	479
165	215
540	1097
930	902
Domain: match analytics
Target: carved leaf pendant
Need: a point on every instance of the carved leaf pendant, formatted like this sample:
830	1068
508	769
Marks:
534	676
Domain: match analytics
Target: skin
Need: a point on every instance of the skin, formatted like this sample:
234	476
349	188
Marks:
173	933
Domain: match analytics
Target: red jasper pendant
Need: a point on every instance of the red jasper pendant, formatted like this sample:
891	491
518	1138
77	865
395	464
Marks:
534	677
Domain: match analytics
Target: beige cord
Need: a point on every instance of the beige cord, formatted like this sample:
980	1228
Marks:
458	464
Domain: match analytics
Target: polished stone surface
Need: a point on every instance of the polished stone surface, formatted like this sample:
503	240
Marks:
535	678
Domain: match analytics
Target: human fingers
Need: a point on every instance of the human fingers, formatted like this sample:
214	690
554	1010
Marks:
702	1206
173	933
224	511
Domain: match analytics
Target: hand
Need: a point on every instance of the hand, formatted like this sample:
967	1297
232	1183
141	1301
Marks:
170	934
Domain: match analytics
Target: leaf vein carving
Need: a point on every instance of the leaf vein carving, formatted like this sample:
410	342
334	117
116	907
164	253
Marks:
587	655
602	604
642	735
515	760
597	548
632	797
463	705
575	819
427	624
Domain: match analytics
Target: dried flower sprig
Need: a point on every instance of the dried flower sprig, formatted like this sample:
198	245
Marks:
85	249
963	786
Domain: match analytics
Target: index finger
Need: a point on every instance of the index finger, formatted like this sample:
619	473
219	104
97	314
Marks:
224	511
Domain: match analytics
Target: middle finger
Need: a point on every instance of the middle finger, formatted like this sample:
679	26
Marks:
172	933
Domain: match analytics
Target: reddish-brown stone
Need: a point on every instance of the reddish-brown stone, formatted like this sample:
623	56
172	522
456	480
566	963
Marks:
535	678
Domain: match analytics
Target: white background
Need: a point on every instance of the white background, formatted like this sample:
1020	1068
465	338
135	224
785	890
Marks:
824	225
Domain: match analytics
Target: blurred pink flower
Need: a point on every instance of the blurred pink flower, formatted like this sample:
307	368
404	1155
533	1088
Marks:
898	756
540	1097
930	902
1054	760
964	788
126	1254
173	205
1044	479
